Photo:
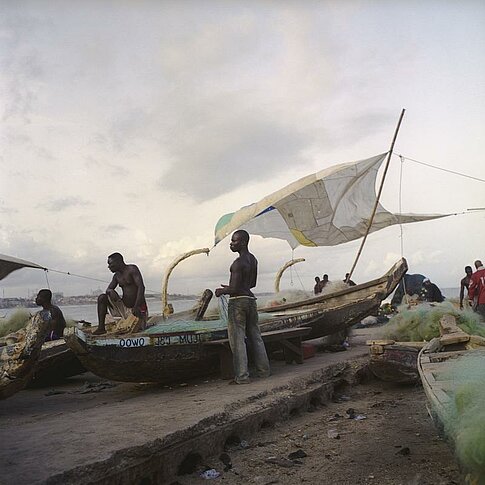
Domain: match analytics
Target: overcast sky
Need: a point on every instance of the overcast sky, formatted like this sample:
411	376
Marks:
132	126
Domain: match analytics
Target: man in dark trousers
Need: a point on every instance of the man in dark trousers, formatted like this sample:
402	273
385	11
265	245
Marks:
129	278
57	323
464	283
243	313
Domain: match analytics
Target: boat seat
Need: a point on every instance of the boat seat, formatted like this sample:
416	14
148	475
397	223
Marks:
289	339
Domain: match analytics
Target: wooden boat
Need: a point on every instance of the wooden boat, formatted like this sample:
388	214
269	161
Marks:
393	361
56	363
434	363
166	356
18	361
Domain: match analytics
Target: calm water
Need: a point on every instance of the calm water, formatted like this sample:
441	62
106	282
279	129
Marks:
88	312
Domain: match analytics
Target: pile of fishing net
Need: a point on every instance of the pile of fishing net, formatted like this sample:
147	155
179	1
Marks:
421	322
464	414
16	321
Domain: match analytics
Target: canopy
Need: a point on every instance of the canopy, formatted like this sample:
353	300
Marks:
8	264
327	208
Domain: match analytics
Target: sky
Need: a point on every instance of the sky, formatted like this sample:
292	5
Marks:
132	126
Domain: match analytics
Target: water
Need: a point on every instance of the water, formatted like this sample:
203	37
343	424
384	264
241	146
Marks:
89	313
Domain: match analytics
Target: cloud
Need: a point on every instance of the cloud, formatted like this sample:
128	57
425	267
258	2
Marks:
114	228
63	203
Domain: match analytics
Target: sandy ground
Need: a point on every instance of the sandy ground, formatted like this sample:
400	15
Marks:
396	443
87	422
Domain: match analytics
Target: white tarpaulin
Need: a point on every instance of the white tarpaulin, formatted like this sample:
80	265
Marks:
326	208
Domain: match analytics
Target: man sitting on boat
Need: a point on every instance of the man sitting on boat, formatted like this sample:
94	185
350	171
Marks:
316	289
477	288
129	278
242	311
57	323
348	281
465	283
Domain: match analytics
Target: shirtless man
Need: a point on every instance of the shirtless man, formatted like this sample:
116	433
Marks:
57	323
477	288
464	283
242	311
129	278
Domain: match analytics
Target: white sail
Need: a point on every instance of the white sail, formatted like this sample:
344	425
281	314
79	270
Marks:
9	264
327	208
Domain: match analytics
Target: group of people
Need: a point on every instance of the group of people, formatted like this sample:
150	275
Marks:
243	328
474	283
320	284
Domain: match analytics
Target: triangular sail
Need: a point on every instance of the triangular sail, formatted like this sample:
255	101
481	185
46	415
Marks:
8	264
327	208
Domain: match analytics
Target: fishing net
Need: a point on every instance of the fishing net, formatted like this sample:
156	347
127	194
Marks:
464	415
14	322
421	322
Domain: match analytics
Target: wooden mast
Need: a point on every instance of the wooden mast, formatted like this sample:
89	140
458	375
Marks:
371	220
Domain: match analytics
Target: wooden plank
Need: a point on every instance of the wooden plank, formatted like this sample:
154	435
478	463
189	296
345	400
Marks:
379	342
446	355
441	395
448	325
477	340
429	377
454	338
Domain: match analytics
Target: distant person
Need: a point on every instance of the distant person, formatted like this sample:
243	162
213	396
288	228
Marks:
57	323
464	283
431	293
243	313
348	281
316	289
324	282
476	289
410	284
129	278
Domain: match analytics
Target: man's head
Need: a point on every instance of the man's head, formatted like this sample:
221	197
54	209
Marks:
317	279
325	277
115	262
468	270
239	240
478	264
44	297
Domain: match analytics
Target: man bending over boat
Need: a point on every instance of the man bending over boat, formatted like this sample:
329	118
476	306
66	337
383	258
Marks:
57	323
243	313
129	278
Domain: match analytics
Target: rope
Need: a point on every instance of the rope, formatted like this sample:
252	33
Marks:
301	282
400	225
440	168
46	278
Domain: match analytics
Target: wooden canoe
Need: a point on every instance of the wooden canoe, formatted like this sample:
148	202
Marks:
392	361
18	361
434	362
176	356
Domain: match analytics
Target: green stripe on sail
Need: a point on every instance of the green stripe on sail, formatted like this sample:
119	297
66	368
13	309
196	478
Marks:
221	223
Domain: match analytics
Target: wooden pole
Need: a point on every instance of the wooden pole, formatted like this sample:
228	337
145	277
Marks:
371	220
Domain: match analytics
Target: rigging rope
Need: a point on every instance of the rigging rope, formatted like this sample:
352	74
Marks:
400	225
439	168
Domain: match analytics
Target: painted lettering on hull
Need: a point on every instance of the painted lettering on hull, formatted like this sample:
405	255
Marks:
132	342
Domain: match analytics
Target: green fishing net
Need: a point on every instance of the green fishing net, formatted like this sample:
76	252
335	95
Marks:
421	322
14	322
464	415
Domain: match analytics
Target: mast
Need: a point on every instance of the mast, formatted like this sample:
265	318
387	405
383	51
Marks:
371	220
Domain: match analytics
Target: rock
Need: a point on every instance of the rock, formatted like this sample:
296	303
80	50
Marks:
404	451
333	433
276	460
297	454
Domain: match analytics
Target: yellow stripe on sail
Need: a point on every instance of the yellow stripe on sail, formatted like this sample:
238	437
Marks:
302	239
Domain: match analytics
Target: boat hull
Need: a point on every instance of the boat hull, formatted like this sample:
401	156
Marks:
177	357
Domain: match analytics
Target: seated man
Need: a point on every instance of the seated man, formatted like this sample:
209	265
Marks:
348	281
316	288
129	278
57	323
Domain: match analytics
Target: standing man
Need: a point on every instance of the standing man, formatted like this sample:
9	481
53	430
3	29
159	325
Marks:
129	278
324	282
477	288
242	311
464	283
57	323
316	288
